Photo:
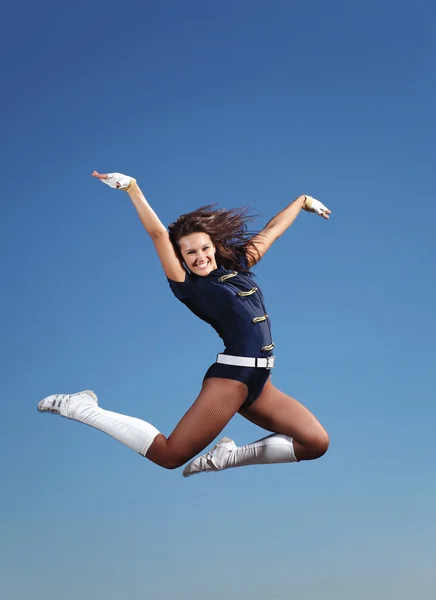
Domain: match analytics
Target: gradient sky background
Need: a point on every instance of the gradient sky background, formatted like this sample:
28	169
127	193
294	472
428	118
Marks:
237	102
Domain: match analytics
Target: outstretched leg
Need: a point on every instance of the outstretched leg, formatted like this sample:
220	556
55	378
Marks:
297	436
218	401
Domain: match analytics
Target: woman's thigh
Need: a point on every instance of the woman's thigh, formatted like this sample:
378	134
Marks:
277	412
218	401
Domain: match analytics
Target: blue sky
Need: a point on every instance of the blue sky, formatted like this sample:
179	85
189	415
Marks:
237	103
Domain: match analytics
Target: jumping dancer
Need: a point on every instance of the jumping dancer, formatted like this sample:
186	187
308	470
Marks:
207	256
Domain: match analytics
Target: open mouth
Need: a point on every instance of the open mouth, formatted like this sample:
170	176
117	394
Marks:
202	266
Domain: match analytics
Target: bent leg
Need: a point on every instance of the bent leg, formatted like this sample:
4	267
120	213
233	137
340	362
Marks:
277	412
298	436
218	401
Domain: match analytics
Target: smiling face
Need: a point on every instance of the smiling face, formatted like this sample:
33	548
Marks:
198	253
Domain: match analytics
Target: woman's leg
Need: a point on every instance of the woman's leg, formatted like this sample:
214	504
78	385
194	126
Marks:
277	412
218	401
298	436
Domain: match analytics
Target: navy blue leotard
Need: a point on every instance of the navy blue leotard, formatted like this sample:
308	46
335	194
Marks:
233	304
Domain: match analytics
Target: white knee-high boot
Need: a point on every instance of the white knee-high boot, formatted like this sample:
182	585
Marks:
130	431
272	449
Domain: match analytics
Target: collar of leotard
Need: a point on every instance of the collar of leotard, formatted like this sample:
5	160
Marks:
220	270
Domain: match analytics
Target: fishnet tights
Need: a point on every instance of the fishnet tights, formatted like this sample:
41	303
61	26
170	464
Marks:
279	413
219	400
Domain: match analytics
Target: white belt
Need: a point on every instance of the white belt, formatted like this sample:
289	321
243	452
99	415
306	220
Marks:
245	361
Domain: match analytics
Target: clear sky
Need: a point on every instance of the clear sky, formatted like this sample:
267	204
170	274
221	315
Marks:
241	102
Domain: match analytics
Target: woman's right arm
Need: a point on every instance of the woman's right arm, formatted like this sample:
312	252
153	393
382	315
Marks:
154	227
158	233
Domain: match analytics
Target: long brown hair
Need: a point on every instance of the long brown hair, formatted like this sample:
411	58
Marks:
226	228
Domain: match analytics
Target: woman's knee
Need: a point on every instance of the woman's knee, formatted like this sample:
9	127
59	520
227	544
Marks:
323	443
316	445
163	455
173	461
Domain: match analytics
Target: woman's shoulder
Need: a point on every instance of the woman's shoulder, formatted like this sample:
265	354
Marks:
181	289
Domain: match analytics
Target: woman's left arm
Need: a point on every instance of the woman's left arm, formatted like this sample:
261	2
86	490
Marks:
263	240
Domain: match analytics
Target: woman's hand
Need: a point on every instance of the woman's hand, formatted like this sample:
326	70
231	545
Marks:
115	180
312	205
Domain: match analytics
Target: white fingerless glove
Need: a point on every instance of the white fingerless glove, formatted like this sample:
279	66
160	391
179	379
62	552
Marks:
312	205
119	181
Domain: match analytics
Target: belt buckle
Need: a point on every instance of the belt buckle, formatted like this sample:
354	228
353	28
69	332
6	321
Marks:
270	362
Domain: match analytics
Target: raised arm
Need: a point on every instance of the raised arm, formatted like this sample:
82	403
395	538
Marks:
151	222
280	223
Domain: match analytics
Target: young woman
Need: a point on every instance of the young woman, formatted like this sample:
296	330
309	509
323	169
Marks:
207	256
